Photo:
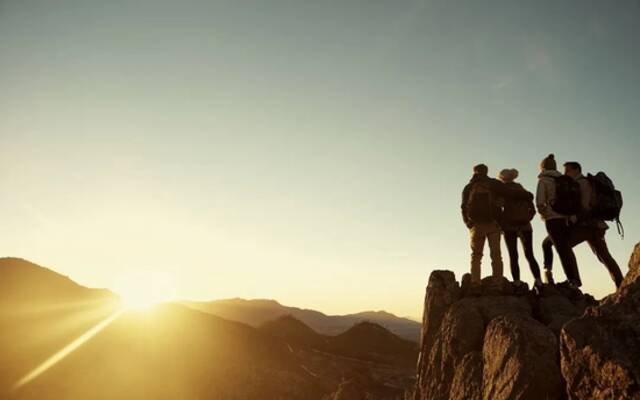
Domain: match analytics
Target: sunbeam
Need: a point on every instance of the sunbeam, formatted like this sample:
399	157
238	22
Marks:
68	349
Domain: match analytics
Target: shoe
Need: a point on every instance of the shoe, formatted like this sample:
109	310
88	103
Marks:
548	276
569	284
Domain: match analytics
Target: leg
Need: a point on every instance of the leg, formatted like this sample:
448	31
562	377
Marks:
599	247
511	240
477	246
527	245
496	256
559	232
547	253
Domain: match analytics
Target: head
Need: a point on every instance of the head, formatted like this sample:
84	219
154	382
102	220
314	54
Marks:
481	169
508	175
572	169
549	163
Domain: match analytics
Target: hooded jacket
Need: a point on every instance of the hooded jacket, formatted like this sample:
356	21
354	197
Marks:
546	194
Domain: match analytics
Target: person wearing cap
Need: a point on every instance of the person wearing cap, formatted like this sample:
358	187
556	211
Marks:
481	207
515	223
558	225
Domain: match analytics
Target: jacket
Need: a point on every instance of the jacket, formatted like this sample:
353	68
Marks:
546	194
500	191
505	225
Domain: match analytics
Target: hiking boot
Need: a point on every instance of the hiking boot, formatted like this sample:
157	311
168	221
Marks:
569	284
548	276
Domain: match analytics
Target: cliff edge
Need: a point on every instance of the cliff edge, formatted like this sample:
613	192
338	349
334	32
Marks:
503	341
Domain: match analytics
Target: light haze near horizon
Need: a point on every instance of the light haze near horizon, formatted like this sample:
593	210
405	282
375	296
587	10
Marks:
307	151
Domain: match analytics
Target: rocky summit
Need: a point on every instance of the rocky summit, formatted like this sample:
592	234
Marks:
504	341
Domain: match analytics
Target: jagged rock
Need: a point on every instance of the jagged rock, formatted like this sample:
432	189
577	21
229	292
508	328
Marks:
600	351
467	381
442	291
497	340
496	286
520	360
557	306
462	332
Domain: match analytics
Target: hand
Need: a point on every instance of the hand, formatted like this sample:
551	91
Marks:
573	219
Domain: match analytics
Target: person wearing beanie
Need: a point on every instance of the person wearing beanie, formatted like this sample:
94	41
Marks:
516	223
557	224
482	200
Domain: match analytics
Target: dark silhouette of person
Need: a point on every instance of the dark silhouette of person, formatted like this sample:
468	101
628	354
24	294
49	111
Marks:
557	224
482	201
516	224
586	228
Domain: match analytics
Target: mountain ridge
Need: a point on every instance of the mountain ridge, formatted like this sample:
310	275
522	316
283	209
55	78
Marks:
256	312
170	351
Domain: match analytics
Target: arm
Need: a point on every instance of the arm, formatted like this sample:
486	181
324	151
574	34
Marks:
517	193
541	199
586	191
463	206
585	194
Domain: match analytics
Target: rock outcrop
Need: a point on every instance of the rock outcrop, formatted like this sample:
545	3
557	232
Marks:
600	351
503	341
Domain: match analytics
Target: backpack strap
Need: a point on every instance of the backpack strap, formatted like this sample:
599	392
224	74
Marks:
620	228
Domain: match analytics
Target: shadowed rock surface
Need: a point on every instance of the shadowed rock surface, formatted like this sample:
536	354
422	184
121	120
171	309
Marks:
502	341
601	349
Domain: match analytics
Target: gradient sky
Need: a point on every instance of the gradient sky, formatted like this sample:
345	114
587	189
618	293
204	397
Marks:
307	151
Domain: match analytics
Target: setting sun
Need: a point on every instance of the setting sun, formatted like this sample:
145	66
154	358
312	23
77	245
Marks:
141	289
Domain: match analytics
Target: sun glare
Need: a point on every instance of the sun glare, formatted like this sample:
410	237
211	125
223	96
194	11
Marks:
141	289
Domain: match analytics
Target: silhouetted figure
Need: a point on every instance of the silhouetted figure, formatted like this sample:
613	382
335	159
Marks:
558	197
587	228
516	223
482	201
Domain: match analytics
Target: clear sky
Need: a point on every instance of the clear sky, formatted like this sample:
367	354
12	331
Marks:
307	151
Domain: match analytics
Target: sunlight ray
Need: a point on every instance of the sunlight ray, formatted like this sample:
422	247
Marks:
68	349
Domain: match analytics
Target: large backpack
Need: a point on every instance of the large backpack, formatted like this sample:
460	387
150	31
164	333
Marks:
480	205
518	212
606	200
567	200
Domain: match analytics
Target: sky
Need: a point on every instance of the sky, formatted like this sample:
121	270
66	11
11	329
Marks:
307	151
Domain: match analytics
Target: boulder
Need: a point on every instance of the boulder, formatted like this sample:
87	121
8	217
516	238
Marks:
520	357
442	291
467	380
600	351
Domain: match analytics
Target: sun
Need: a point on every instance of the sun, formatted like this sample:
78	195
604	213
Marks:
142	289
140	301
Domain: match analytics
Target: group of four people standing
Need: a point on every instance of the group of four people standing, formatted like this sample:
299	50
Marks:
565	202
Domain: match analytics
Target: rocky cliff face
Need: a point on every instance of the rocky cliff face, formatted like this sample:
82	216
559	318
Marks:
506	342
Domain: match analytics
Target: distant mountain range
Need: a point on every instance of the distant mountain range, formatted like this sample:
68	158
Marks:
257	312
176	352
364	341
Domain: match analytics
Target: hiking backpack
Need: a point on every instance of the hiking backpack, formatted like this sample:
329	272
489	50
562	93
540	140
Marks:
606	200
480	204
568	198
